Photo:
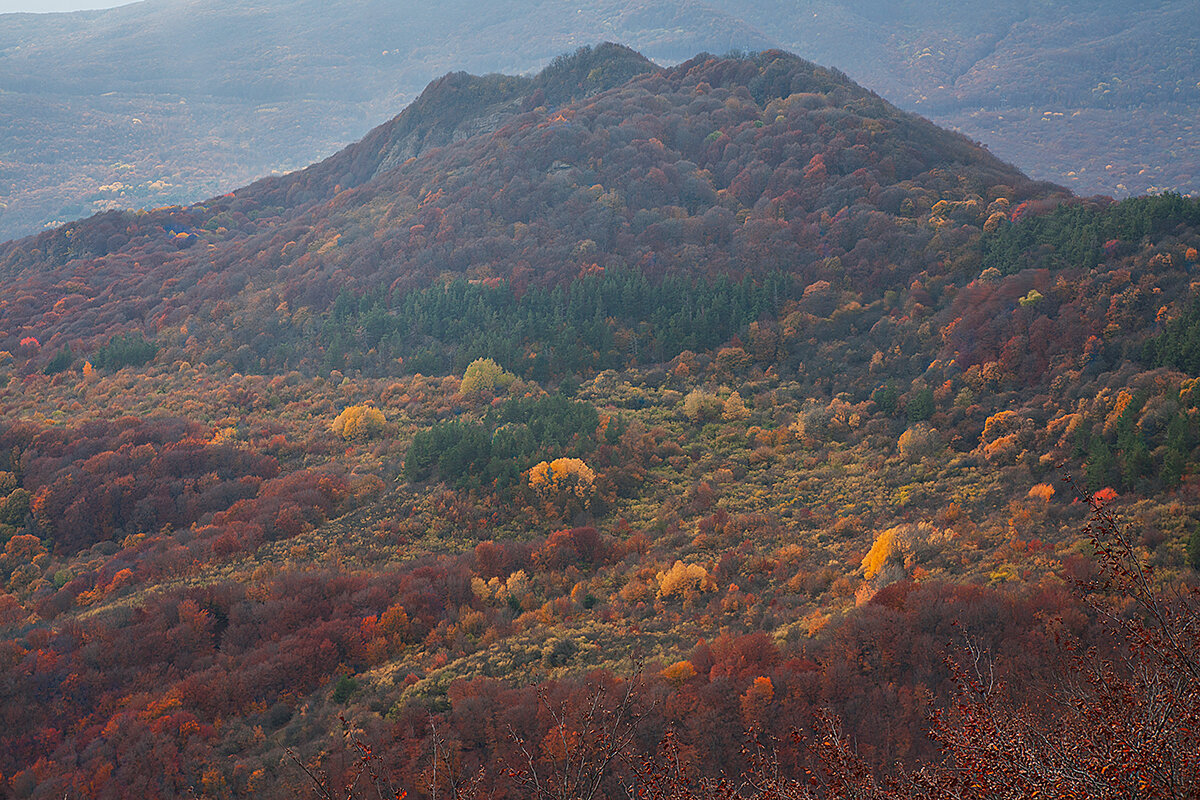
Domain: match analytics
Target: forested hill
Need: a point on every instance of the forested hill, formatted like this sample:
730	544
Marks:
716	167
710	418
171	101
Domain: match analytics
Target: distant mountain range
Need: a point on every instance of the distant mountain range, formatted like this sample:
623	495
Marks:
171	101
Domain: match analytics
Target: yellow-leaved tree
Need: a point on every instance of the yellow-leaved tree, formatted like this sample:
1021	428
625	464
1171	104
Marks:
881	552
485	375
897	552
569	475
687	580
566	485
1042	491
359	422
734	409
918	442
700	406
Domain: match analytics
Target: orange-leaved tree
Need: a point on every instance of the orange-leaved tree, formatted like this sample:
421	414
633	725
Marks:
565	485
359	422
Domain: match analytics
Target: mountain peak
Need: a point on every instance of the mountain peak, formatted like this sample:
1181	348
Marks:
589	70
459	105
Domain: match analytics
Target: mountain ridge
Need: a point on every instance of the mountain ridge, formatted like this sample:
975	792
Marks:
290	84
449	109
286	220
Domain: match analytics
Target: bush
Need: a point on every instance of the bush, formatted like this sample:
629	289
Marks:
344	689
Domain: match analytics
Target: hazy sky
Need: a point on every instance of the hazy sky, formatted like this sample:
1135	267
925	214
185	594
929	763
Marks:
9	6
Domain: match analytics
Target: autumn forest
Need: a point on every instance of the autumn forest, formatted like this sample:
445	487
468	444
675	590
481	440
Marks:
709	431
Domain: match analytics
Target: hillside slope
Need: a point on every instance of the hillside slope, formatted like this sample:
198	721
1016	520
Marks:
727	388
712	167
